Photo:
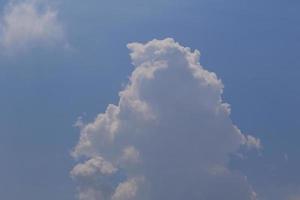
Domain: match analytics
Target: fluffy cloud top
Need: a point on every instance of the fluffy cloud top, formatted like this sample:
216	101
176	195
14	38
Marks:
169	137
28	23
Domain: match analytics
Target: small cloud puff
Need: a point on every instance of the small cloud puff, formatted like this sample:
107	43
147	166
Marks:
30	23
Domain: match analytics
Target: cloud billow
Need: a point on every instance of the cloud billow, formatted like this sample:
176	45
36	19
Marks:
169	137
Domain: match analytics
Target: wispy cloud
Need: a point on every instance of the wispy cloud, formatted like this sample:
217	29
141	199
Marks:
29	23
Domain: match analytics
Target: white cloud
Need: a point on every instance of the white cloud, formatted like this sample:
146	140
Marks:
172	119
126	190
92	167
30	23
130	155
253	142
92	174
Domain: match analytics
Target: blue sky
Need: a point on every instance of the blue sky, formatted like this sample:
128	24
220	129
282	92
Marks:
50	81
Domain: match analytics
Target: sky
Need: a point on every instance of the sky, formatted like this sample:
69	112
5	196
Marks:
103	99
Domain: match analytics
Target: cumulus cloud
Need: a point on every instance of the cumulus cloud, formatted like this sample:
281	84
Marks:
30	23
169	137
92	167
94	173
126	190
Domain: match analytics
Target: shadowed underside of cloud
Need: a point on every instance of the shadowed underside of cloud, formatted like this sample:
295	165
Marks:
169	137
30	23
